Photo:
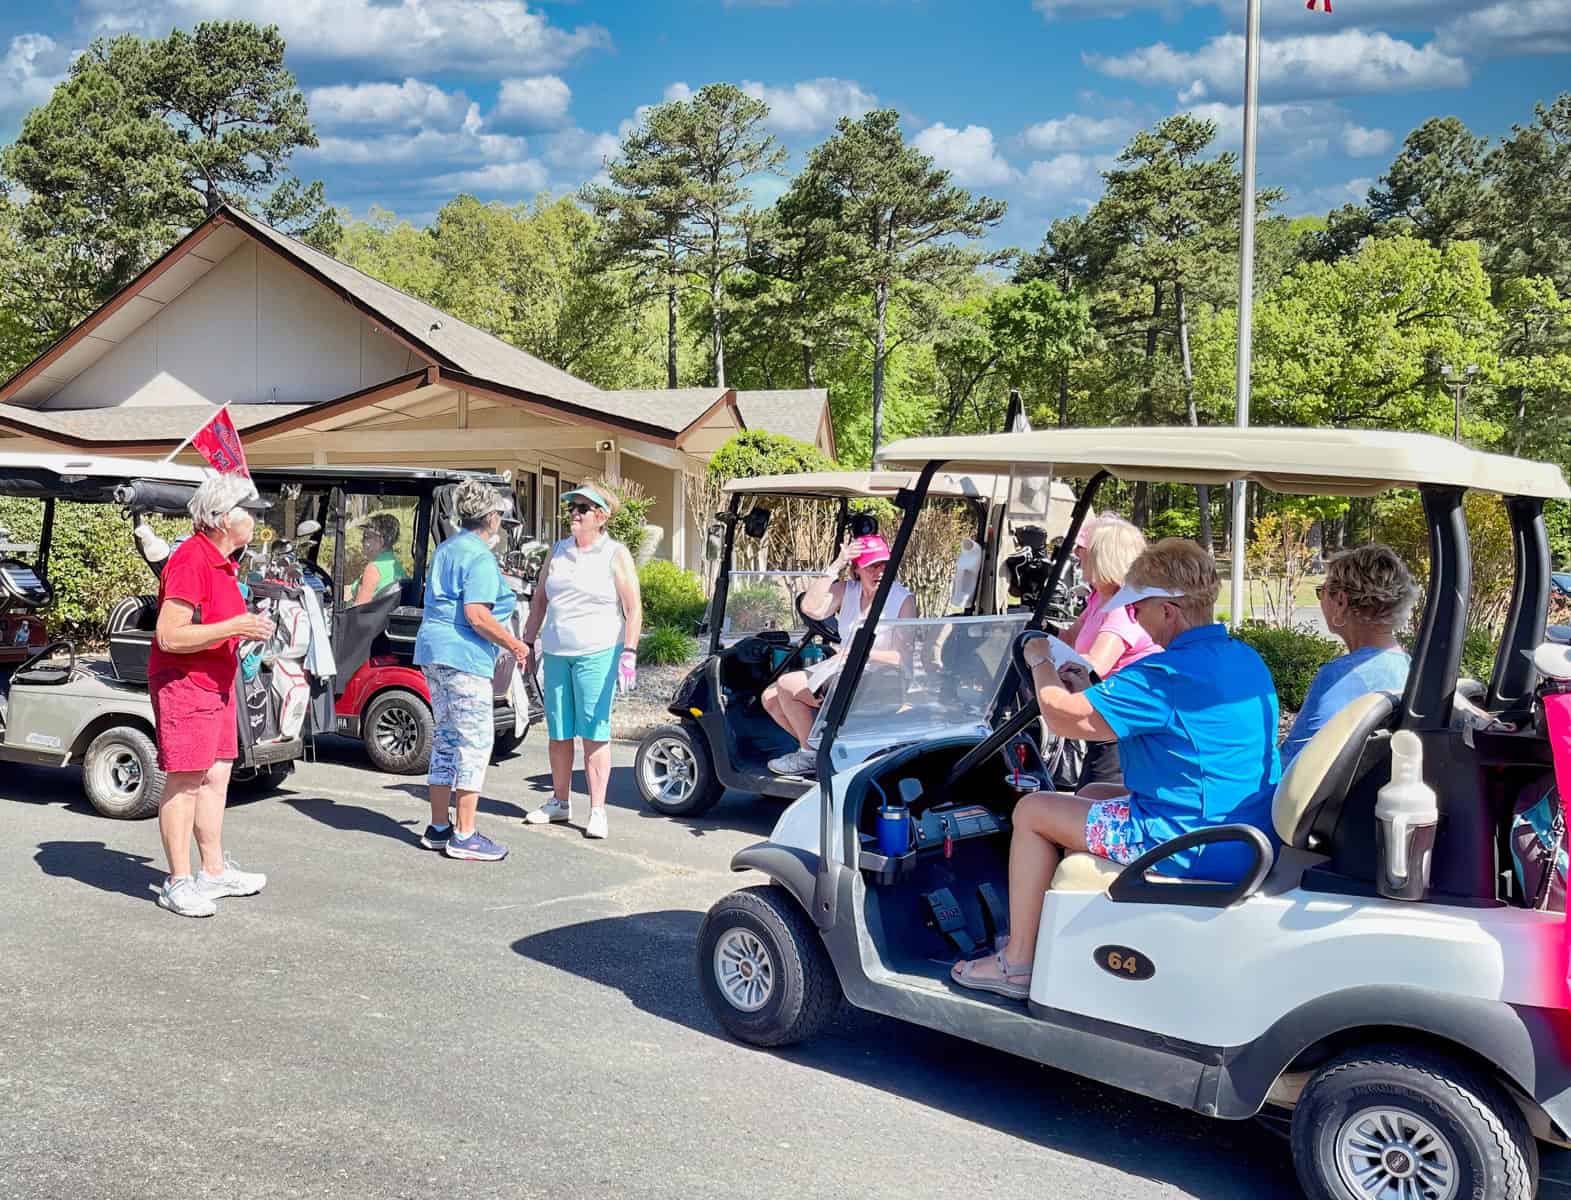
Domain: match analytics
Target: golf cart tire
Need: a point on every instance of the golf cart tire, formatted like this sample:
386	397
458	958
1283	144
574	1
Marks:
506	743
805	991
1492	1150
98	766
259	781
707	789
395	703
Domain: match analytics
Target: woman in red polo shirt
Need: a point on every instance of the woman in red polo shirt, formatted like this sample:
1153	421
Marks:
191	675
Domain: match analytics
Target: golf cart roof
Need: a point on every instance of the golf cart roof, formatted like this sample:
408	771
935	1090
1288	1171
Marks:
374	474
87	479
860	485
1338	462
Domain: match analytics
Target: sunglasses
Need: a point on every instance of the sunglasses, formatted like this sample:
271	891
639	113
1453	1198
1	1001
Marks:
580	506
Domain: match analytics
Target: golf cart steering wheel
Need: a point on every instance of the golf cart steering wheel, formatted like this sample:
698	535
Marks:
44	656
828	628
1029	711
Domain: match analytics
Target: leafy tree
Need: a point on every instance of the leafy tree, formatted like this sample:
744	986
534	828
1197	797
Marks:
895	218
1435	187
1531	216
1535	364
1344	229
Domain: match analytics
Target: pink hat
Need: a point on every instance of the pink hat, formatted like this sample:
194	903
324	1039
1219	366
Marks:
869	551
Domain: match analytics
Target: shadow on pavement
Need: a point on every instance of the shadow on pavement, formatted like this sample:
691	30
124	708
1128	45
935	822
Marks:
355	818
737	812
96	865
648	957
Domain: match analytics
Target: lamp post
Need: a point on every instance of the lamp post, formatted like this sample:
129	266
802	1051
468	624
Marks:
1458	382
1246	289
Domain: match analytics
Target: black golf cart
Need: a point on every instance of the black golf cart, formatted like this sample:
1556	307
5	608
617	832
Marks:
757	631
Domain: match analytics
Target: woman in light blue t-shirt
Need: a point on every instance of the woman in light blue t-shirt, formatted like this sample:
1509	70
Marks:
1367	596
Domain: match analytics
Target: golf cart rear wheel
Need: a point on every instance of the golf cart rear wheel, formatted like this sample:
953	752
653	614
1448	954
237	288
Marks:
675	776
397	730
1407	1124
763	969
120	774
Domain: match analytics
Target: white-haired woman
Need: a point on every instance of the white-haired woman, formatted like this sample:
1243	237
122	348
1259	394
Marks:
461	632
1366	598
191	674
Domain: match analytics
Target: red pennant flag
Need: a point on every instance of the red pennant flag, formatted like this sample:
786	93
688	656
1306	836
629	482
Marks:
219	442
1318	5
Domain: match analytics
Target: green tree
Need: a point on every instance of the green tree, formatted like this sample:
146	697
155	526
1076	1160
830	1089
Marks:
1435	187
1530	222
1535	364
896	218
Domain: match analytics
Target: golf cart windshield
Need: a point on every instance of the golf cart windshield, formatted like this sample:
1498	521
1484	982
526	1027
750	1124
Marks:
764	600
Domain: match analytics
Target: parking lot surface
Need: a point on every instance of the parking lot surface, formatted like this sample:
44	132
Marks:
384	1022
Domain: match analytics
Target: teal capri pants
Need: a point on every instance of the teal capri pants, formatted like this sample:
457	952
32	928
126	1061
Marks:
578	693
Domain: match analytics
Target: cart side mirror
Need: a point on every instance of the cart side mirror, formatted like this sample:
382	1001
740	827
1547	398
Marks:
714	542
757	522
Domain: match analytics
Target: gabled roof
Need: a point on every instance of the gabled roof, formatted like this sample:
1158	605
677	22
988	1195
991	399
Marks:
795	412
155	424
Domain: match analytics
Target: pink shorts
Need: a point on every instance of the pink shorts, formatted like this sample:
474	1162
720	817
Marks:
196	727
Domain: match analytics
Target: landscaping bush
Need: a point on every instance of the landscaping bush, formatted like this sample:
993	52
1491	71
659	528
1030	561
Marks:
672	597
627	526
1292	655
755	607
1479	647
666	645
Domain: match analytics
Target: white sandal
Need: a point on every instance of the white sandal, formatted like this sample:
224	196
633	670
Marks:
1012	981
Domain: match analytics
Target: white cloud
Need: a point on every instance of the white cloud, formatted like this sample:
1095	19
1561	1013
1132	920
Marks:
405	35
1306	129
412	104
537	103
467	144
1070	10
1078	132
1349	62
813	104
1195	91
1512	27
676	91
579	150
31	67
1067	176
524	176
1319	201
968	154
1359	142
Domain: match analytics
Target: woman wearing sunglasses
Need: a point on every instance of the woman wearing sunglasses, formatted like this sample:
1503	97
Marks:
586	609
1196	732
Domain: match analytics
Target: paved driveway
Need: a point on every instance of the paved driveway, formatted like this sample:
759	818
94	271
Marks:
387	1023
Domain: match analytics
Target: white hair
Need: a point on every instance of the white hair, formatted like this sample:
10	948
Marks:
216	497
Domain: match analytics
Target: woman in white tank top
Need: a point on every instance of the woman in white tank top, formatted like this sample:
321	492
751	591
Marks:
791	700
586	609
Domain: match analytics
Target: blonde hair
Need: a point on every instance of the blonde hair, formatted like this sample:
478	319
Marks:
1376	582
1114	546
1179	565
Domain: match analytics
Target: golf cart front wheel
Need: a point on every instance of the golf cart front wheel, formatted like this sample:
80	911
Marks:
397	730
675	776
120	774
763	969
1399	1124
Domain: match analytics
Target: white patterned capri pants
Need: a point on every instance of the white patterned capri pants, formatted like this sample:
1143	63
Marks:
461	707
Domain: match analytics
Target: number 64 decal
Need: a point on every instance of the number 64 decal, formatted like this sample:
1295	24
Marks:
1123	962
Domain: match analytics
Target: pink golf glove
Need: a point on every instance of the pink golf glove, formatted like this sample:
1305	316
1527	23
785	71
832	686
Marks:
627	672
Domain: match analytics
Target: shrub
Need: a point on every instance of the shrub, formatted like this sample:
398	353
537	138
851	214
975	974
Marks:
627	526
1174	522
666	645
758	452
1479	647
1292	655
672	597
755	607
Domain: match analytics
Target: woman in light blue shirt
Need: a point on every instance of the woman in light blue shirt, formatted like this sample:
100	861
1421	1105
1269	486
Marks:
1367	596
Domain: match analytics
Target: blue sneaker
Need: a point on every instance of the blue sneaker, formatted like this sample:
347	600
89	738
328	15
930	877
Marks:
436	839
475	848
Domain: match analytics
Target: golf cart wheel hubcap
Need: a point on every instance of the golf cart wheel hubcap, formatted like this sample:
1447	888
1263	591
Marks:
670	773
744	970
397	731
124	772
1391	1154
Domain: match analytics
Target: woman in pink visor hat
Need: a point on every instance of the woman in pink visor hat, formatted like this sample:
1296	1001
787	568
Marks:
792	699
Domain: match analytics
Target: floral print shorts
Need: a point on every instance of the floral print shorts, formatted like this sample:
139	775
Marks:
1111	833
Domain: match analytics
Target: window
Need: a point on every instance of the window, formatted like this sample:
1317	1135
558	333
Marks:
550	485
378	551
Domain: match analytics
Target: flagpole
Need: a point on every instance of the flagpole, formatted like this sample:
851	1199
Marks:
1246	293
170	457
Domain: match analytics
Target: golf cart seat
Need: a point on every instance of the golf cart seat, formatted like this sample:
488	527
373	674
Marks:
131	625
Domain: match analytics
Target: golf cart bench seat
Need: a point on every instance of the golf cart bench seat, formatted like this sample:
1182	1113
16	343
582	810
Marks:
132	624
1324	768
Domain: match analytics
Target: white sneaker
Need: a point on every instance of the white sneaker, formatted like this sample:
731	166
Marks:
233	881
180	896
551	812
596	827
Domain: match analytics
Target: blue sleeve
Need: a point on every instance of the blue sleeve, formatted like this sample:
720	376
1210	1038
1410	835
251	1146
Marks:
482	580
1134	701
1320	705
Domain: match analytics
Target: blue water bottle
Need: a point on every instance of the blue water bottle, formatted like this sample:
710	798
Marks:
894	830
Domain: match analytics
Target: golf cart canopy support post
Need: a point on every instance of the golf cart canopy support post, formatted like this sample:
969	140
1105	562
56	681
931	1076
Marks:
717	602
1511	684
1066	547
825	892
1426	705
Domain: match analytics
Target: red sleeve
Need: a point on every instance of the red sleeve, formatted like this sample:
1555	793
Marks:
184	579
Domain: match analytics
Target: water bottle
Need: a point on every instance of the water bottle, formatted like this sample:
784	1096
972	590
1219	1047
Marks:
1406	814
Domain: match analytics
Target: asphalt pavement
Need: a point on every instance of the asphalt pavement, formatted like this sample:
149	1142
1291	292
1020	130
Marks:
385	1022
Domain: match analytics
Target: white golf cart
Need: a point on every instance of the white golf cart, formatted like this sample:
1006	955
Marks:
757	630
1420	1046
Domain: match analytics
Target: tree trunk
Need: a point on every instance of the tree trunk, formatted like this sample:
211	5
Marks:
1519	406
718	343
807	367
1063	396
670	333
1202	492
880	341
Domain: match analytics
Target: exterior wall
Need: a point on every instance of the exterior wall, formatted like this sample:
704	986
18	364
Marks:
656	482
253	330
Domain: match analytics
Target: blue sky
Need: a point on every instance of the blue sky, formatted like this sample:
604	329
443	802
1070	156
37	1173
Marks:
1023	99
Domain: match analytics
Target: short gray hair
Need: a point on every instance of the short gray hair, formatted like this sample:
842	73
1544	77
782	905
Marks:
1376	582
474	501
216	497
